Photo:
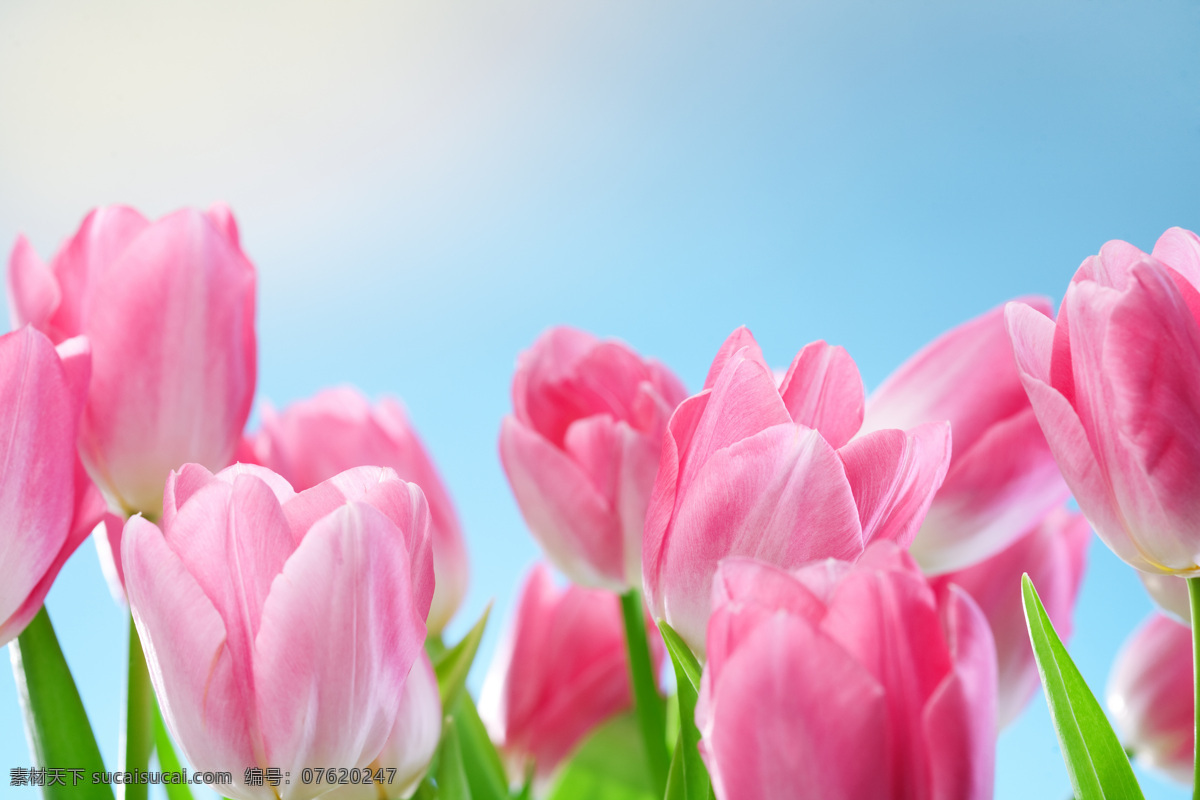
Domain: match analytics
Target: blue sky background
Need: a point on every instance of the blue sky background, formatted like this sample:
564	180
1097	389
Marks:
426	186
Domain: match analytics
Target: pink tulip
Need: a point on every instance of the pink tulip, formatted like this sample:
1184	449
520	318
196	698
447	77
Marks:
581	449
1002	478
1054	554
1150	695
47	503
280	628
1115	384
313	440
561	671
846	681
749	469
169	310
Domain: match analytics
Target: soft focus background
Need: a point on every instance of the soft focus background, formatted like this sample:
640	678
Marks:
425	186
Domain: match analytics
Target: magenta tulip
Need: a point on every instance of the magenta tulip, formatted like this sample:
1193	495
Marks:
752	469
280	628
848	681
1054	554
581	449
47	503
1150	695
1115	384
168	308
312	440
561	671
1002	478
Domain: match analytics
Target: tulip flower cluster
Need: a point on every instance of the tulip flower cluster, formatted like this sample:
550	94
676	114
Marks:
776	587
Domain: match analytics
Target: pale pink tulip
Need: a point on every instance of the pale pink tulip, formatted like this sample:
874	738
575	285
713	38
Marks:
1150	693
1054	554
312	440
47	504
1115	384
561	671
413	740
1002	478
280	628
168	308
749	469
848	681
581	449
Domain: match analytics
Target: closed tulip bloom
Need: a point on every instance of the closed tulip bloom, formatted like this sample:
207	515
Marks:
1150	693
47	504
280	628
776	473
1054	554
168	307
1002	478
561	671
846	681
1115	384
581	449
312	440
1170	594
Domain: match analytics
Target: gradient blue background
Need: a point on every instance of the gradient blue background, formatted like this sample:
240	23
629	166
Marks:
426	186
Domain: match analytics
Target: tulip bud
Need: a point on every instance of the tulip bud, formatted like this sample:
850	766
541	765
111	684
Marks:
1115	385
846	681
750	468
168	308
49	504
581	449
280	628
561	671
312	440
1002	478
1150	693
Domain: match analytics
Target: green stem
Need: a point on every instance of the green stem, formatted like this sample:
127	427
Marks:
138	740
649	703
60	736
1194	596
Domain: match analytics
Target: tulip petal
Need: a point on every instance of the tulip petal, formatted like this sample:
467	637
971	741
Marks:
339	635
823	390
33	293
37	494
756	721
780	496
1001	488
735	342
963	757
566	514
194	675
1033	340
966	376
894	476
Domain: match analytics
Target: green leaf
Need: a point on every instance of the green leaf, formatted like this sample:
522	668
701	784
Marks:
453	665
689	768
609	765
681	655
481	762
452	780
1096	762
56	724
167	760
